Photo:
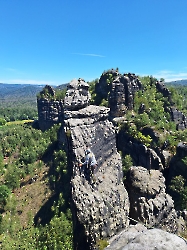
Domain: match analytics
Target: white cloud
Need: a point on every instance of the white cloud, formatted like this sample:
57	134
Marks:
82	54
170	75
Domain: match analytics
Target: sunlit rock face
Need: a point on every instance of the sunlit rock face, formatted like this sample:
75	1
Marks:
149	202
121	97
49	109
100	203
138	237
77	95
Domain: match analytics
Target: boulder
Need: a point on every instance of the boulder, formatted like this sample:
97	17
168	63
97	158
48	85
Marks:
139	237
77	95
149	202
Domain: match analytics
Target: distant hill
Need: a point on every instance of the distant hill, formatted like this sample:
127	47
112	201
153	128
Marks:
178	82
16	91
62	86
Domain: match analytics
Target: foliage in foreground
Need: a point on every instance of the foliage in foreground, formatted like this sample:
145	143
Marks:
180	191
55	235
24	149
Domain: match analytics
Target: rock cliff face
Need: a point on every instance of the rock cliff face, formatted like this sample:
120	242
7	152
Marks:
142	155
122	93
149	202
119	90
104	86
49	110
179	118
176	115
177	164
77	95
100	203
49	113
162	88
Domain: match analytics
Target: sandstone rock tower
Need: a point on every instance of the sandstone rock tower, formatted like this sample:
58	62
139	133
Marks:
100	205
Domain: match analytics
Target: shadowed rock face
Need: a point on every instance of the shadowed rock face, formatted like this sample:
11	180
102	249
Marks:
149	202
162	88
142	155
100	203
177	164
103	87
179	118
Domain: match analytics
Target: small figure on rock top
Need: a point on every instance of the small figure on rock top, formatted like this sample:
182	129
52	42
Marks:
89	164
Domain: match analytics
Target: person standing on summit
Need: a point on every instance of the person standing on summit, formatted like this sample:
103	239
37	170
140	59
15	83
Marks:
89	163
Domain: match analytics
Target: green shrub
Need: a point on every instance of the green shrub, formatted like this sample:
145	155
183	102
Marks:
2	121
180	191
101	244
127	162
4	194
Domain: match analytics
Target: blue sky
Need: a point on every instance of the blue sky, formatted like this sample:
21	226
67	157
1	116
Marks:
52	42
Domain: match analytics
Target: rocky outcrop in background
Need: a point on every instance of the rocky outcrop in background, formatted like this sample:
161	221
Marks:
176	115
121	97
77	95
160	86
49	113
49	109
119	90
179	118
178	163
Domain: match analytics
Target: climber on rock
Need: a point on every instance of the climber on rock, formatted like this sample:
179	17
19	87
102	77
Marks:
89	164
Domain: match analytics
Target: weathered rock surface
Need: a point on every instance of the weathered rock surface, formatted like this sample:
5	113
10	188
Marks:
77	95
119	90
49	113
149	202
139	237
163	89
179	118
104	86
182	149
142	155
122	93
100	203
